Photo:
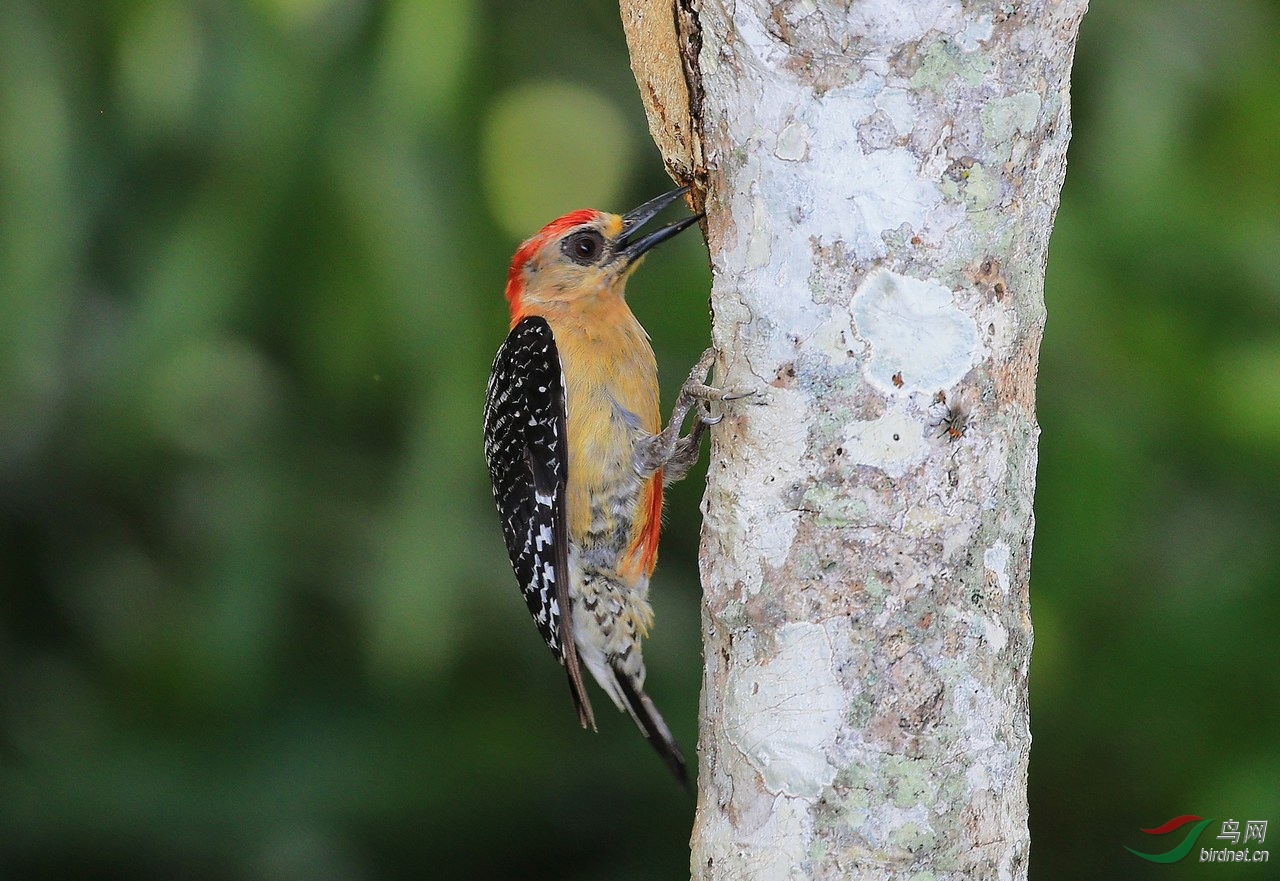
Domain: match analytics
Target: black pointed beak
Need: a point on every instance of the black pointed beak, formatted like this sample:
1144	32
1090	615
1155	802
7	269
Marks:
631	245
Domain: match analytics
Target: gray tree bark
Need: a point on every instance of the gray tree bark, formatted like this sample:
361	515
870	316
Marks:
880	179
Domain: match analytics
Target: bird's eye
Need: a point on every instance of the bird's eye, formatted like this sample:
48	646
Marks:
584	247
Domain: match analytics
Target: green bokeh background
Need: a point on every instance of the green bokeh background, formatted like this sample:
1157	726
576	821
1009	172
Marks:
256	621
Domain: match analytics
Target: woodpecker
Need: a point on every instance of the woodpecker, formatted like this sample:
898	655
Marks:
577	454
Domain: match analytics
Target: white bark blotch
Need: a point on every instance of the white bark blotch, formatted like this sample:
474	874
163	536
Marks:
757	518
915	331
996	559
793	142
784	714
893	443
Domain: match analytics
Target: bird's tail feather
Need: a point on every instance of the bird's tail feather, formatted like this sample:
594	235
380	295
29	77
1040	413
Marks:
578	689
650	721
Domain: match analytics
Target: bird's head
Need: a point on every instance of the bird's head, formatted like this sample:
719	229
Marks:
585	254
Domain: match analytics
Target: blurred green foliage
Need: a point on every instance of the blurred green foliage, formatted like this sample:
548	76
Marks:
1155	687
257	621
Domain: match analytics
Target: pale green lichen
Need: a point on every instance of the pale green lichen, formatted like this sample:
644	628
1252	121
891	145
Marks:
733	615
913	838
1002	118
978	189
944	60
907	781
981	189
835	508
818	848
817	287
858	716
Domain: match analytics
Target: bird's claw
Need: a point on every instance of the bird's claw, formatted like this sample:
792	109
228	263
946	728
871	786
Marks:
707	419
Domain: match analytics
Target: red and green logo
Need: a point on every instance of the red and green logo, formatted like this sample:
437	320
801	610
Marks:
1183	848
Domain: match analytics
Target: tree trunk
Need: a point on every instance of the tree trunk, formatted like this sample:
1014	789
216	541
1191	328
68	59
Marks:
880	180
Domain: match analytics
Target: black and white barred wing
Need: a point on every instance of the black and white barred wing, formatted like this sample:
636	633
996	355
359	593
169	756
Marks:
526	446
